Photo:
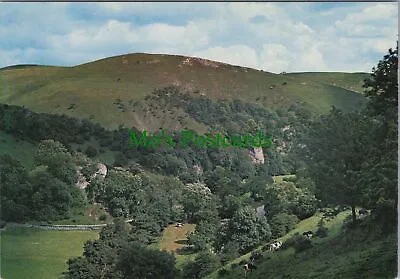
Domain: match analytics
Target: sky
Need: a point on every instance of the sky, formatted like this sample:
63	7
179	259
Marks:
274	37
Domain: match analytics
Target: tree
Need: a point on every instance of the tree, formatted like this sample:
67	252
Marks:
205	263
138	261
91	151
380	170
204	236
59	161
51	198
382	87
335	149
282	223
247	229
229	252
199	203
100	257
15	190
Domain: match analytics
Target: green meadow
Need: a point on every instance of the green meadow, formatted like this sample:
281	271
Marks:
39	254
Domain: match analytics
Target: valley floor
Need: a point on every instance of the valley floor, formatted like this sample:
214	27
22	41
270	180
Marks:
39	254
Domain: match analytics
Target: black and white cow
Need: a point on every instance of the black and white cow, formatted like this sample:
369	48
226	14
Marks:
275	246
308	234
248	267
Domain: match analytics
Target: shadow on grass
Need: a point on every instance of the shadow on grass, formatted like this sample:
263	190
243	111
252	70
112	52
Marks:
181	241
186	250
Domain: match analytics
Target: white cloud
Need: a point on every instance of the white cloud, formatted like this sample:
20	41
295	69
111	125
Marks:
275	58
284	36
236	55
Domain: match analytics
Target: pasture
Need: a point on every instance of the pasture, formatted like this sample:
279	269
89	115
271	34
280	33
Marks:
173	239
350	255
39	254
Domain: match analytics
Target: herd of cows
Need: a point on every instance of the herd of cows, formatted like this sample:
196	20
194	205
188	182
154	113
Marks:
278	244
272	247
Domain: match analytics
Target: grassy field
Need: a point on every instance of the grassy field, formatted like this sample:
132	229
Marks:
39	254
94	87
23	151
173	239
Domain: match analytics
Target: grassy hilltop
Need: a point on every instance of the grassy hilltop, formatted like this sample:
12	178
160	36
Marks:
112	91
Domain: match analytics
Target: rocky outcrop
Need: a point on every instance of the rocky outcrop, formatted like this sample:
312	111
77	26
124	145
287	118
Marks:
198	169
82	181
257	155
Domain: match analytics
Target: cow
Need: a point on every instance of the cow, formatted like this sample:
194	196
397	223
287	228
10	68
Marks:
275	246
308	234
248	267
178	225
363	211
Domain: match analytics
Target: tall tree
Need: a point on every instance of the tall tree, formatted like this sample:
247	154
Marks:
381	167
335	150
247	229
138	261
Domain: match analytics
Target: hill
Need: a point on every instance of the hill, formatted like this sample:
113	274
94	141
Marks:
106	91
349	81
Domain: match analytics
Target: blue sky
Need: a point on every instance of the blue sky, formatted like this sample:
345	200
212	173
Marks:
275	37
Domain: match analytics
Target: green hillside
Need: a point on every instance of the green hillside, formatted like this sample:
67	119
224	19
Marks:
351	253
349	81
105	91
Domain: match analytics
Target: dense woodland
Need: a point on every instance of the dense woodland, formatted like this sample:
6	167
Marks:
340	159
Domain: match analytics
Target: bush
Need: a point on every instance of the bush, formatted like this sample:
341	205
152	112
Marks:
223	272
290	242
103	217
265	248
299	242
302	243
282	223
256	256
322	231
91	151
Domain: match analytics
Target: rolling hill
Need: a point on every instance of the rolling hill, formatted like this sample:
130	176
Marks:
110	91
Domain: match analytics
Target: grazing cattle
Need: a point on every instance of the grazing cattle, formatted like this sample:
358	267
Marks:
275	246
248	267
179	225
308	234
363	211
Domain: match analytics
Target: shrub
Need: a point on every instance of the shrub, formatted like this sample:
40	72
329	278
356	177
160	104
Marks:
103	217
265	248
322	231
223	272
288	243
299	242
282	223
91	151
256	256
302	243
